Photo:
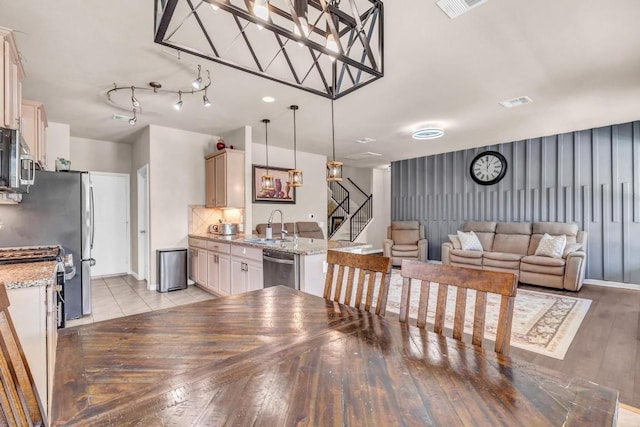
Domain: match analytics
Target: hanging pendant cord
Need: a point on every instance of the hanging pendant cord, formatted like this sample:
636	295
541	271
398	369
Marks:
333	132
295	156
266	141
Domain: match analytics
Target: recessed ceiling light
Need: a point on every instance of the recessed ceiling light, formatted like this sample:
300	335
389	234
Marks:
365	140
268	99
516	102
428	133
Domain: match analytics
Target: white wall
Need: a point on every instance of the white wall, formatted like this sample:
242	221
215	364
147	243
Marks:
176	180
100	156
376	232
311	198
58	144
139	157
241	139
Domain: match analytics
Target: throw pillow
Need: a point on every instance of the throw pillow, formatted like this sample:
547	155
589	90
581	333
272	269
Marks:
469	241
455	241
571	248
551	246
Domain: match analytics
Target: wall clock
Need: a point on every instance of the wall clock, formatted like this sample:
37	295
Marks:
488	168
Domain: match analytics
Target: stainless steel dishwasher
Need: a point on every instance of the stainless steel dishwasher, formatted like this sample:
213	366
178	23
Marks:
280	268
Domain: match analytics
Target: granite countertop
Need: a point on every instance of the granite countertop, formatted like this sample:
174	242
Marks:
28	274
304	246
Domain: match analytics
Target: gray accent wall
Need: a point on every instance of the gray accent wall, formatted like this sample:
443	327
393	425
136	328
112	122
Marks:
590	177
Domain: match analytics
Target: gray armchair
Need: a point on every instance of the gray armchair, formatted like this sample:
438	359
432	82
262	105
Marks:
405	240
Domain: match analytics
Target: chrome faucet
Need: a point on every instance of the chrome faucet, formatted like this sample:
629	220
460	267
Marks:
283	232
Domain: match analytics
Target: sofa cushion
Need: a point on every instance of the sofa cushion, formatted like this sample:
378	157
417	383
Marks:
469	241
501	260
551	246
511	243
571	248
485	230
412	254
514	228
405	225
404	248
455	241
460	256
309	229
554	229
543	265
502	256
405	237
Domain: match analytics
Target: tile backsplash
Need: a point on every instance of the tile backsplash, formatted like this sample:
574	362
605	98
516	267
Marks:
201	217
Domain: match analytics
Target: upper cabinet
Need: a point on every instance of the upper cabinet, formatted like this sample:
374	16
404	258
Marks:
225	179
34	125
12	74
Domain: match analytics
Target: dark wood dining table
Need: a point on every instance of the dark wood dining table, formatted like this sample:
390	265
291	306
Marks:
281	357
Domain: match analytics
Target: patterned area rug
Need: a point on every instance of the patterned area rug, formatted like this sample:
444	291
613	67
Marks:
542	323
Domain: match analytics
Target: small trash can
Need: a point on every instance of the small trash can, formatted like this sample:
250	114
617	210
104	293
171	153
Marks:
172	269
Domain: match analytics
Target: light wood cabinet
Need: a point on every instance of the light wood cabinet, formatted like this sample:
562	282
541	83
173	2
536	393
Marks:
12	74
224	173
246	269
219	267
198	268
34	125
34	315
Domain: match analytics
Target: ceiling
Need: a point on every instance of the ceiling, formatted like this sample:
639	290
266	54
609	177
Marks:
579	60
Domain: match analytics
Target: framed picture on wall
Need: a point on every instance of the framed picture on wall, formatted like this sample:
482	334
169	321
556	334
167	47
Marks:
336	222
281	193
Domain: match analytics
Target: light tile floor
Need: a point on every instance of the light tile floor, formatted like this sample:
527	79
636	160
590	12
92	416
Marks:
120	296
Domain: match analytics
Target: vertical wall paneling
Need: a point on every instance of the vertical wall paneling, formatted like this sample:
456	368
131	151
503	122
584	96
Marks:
591	177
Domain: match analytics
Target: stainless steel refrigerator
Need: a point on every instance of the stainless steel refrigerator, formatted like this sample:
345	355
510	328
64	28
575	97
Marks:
57	210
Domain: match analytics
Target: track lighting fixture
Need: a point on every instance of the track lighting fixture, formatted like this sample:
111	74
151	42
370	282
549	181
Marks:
155	87
197	83
134	100
178	105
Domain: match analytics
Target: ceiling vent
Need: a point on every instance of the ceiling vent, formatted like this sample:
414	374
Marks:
365	140
455	8
121	117
516	102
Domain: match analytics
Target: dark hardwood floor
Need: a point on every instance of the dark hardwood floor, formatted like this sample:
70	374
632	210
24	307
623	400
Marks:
606	349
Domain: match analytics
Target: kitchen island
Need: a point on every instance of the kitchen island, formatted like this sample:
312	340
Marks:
311	252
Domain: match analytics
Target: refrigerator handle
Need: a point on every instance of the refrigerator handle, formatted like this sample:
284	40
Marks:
92	208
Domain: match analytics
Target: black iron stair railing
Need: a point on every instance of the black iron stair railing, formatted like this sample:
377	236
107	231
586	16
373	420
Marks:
341	212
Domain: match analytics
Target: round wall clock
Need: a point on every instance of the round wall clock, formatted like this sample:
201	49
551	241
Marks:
488	168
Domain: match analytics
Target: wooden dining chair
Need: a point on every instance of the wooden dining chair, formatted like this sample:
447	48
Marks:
370	265
482	281
19	401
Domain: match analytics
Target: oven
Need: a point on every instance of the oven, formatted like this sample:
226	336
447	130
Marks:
280	268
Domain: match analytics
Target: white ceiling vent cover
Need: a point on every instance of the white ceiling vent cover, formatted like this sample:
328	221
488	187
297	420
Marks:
455	8
121	117
516	102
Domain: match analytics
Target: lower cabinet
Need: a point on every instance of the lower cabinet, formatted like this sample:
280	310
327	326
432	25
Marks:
246	269
219	266
34	316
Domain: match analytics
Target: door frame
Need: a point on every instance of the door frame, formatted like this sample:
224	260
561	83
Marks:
144	263
127	199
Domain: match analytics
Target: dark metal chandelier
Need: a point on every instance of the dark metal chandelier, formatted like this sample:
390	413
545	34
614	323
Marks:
327	47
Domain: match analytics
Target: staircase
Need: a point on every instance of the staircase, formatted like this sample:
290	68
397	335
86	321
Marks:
347	220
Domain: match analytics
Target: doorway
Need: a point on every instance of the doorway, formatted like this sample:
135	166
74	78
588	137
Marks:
111	247
143	223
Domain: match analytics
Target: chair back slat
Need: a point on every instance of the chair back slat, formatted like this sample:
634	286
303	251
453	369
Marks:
373	266
479	318
19	401
441	308
482	281
458	319
423	303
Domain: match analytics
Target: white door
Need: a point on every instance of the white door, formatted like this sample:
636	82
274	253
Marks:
143	223
111	242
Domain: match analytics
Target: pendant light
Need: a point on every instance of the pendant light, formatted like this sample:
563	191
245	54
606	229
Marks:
334	169
267	180
295	174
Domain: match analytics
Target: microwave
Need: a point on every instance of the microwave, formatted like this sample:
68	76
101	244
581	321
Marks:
17	166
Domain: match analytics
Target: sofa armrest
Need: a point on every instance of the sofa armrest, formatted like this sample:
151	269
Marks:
446	249
574	270
423	250
386	247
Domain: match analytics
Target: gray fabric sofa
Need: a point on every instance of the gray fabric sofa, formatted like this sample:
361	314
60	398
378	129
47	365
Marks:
510	247
308	229
405	240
